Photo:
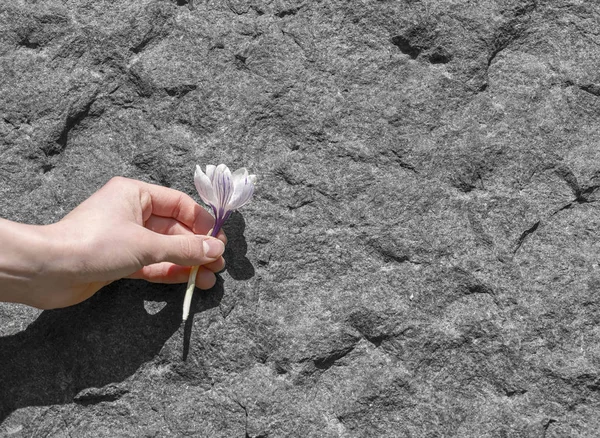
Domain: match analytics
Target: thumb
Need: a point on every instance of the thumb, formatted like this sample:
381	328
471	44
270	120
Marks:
181	249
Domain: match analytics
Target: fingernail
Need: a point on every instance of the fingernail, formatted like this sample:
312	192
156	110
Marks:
213	248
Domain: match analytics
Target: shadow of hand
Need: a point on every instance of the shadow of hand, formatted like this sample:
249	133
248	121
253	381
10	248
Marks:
104	339
100	341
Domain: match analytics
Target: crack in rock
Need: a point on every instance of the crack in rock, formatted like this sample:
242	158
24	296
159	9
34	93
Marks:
525	234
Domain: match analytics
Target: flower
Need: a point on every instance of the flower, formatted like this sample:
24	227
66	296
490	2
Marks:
223	191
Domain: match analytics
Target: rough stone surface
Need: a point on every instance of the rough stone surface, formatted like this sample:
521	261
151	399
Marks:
421	258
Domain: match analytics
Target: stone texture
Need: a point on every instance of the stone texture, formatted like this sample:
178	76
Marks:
421	256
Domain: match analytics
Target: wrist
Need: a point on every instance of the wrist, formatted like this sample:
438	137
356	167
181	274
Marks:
25	252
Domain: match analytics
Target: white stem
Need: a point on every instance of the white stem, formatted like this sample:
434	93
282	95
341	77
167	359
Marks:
187	301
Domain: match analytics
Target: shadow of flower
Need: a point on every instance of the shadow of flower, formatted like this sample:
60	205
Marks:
202	300
237	265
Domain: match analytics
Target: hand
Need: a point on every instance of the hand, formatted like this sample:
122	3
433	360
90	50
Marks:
126	229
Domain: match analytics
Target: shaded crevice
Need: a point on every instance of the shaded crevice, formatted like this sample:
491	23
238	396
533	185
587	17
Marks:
583	197
439	56
416	39
152	26
75	115
246	434
582	194
235	10
407	166
422	39
391	256
406	47
73	119
398	158
47	167
25	42
13	124
546	425
320	363
289	11
479	231
226	311
180	90
479	288
587	380
567	176
468	284
289	175
495	51
592	89
142	87
92	396
515	392
375	327
325	362
499	44
388	333
469	173
307	200
188	3
241	58
509	32
379	339
564	207
391	251
294	38
142	45
525	235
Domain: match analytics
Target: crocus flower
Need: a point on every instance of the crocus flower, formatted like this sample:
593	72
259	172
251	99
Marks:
224	192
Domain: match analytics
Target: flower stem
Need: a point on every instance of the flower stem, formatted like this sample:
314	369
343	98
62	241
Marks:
189	292
187	301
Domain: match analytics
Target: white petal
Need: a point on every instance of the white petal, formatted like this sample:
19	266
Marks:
243	189
243	198
239	180
222	185
210	171
241	171
204	187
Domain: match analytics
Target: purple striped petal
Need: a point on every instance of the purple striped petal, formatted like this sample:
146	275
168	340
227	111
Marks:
222	186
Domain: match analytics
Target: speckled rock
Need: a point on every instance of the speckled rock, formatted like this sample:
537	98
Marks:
421	257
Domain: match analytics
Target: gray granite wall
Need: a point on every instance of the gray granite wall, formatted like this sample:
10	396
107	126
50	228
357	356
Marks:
421	257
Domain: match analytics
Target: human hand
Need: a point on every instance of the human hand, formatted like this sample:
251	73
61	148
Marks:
126	229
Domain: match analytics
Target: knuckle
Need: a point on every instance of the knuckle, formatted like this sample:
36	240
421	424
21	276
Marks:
189	250
177	207
116	180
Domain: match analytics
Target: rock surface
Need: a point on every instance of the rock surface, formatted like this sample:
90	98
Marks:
421	257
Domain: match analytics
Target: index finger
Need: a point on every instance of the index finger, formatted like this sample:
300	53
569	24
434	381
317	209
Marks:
166	225
170	203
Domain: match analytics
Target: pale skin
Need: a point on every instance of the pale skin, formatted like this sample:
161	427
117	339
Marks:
127	229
